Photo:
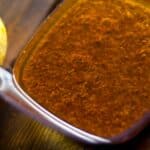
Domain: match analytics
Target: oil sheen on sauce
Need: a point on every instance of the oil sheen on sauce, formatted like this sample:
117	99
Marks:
93	67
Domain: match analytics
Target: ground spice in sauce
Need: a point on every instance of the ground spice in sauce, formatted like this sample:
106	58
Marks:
93	67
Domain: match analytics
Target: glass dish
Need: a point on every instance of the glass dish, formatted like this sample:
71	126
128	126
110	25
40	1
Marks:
12	90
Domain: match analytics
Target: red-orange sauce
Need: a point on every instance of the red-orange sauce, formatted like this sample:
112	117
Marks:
93	68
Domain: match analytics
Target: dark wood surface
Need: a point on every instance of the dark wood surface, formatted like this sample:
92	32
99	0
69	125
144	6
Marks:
21	19
18	131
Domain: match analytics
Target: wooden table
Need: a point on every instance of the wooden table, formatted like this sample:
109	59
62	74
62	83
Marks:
18	131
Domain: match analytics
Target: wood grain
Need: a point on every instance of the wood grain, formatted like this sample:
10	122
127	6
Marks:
17	131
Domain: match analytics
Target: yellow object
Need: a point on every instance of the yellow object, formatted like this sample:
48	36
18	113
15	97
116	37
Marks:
3	42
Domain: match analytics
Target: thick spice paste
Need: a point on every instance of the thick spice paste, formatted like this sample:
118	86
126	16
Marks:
93	67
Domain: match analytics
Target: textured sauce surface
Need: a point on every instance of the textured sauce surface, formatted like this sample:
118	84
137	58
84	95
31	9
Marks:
93	67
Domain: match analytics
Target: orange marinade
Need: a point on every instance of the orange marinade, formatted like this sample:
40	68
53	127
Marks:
93	67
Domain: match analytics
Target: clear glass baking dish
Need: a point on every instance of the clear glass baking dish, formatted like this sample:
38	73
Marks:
13	93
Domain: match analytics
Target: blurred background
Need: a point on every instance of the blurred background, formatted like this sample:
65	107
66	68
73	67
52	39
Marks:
17	131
